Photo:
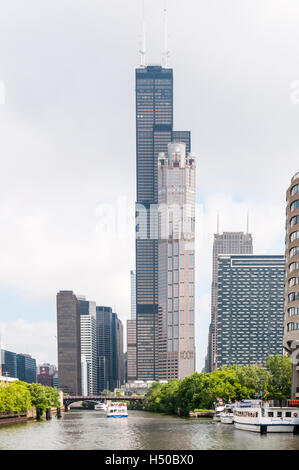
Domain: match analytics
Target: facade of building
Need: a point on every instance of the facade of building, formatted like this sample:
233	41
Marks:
131	350
176	261
225	243
68	343
88	341
18	366
249	308
110	355
291	310
45	374
131	333
26	368
154	130
9	363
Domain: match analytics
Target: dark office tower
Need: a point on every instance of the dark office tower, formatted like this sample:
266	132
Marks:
154	130
226	243
68	341
26	368
9	363
291	309
249	308
104	348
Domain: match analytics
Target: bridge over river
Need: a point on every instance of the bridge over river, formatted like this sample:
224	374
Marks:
69	399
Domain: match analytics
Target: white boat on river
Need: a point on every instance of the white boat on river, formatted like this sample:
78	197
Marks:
257	416
117	410
227	415
218	411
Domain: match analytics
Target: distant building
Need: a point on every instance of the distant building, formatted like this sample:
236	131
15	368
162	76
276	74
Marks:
68	342
110	361
131	333
45	374
291	309
88	341
176	261
249	308
9	363
18	366
226	243
26	368
154	130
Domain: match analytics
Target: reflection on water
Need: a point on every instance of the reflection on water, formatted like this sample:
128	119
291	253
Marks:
92	430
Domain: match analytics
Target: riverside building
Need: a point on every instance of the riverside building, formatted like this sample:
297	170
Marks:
291	310
225	243
88	341
176	196
249	308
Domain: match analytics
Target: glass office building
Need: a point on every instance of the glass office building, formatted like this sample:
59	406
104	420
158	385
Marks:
224	243
249	309
154	130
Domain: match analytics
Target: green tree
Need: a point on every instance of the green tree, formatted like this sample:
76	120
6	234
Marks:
280	368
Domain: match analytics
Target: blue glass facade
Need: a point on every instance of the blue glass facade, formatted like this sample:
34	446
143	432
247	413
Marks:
249	309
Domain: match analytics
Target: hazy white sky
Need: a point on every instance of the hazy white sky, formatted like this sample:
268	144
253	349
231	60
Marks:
67	142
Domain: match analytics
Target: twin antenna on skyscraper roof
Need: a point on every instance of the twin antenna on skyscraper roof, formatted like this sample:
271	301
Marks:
165	53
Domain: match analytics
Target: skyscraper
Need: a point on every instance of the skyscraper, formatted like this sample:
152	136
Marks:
131	333
291	310
225	243
249	308
88	343
110	358
176	345
68	342
154	130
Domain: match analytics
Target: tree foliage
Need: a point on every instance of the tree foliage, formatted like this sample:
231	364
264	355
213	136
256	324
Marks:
20	396
201	390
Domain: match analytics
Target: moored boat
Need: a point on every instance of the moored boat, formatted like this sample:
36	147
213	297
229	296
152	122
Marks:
227	415
100	406
257	416
117	410
218	411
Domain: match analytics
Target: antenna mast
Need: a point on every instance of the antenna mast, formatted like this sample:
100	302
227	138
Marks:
166	53
143	44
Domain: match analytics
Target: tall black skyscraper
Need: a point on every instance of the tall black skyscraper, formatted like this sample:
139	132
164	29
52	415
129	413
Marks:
154	130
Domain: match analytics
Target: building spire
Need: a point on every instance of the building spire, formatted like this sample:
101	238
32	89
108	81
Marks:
143	40
247	223
217	223
165	53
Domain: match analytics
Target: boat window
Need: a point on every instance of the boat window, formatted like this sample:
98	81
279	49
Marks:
279	414
288	414
270	414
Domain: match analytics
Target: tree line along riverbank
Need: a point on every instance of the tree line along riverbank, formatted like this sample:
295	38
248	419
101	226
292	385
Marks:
201	390
20	401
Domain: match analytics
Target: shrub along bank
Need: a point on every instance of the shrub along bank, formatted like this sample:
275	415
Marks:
20	397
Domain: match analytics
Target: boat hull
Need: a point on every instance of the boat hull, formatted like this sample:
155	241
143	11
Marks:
227	420
264	428
117	416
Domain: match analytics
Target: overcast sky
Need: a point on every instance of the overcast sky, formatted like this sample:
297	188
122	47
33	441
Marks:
67	143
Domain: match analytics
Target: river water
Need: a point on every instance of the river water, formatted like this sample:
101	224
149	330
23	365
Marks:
91	430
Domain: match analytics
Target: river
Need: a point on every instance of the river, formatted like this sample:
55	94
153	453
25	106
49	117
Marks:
91	430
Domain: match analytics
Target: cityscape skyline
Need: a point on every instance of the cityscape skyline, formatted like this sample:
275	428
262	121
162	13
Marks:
230	205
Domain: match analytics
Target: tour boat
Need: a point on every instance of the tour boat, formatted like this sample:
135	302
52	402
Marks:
227	415
100	406
218	411
257	416
117	410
